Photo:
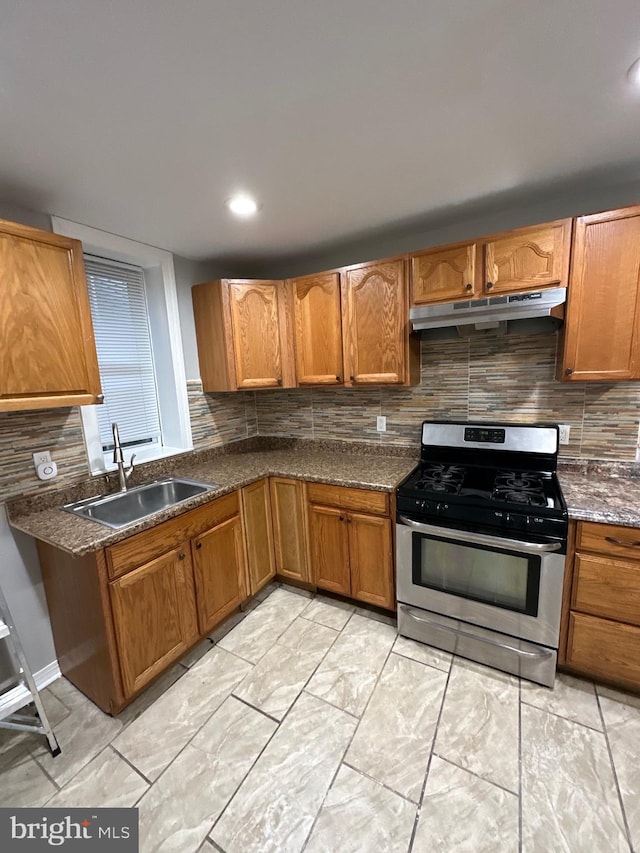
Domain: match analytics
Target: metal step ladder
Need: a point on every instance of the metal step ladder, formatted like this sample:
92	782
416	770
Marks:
20	691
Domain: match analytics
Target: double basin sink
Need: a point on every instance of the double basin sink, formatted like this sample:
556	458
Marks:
123	508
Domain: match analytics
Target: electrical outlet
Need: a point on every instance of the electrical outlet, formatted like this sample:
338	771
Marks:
41	457
381	423
565	429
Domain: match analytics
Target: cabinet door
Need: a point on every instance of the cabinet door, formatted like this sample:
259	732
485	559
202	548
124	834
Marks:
443	274
609	588
329	549
604	649
601	329
256	506
257	339
154	615
47	349
371	559
528	258
290	528
374	323
318	329
219	570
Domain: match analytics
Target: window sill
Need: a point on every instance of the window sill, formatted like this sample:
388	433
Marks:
141	457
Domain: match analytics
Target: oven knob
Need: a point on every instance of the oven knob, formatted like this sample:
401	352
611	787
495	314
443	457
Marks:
442	508
507	519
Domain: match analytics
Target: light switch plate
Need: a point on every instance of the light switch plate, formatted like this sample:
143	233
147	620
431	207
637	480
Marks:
565	429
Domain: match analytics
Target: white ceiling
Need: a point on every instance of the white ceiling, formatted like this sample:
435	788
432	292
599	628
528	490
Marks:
141	116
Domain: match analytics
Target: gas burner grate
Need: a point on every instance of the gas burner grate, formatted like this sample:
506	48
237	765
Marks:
524	497
440	478
519	481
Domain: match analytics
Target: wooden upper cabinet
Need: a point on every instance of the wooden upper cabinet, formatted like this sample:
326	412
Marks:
445	274
257	341
47	348
318	329
601	335
243	334
375	317
528	258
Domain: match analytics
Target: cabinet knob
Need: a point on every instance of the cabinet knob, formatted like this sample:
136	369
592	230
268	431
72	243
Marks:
198	545
568	371
181	556
99	398
489	285
279	380
352	378
469	287
341	518
338	379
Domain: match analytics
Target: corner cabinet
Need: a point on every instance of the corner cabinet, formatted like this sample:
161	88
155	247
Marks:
256	511
601	333
377	347
290	534
243	335
47	348
515	261
350	543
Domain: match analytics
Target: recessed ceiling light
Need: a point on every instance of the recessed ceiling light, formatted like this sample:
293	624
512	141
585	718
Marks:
633	74
242	205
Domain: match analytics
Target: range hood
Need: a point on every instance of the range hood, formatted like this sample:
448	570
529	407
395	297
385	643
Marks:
517	312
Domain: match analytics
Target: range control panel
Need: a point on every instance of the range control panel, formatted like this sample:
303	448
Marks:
485	435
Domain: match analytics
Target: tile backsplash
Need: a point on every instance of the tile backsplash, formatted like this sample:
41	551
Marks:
490	378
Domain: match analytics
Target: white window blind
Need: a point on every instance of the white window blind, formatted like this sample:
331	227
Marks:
123	342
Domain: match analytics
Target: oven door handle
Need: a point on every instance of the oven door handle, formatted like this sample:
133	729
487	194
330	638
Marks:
481	538
541	653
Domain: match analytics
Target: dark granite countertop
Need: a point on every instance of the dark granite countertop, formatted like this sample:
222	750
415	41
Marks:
594	491
358	466
604	492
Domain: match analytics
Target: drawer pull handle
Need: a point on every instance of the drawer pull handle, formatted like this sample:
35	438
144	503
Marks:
620	542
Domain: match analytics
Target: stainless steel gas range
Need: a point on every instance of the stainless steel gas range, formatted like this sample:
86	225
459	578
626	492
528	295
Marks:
481	539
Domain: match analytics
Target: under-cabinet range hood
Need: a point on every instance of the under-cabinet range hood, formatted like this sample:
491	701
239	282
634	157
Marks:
516	312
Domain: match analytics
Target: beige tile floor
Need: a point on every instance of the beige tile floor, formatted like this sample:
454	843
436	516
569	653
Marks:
307	724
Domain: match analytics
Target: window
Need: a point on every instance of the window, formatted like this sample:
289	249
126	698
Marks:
134	307
125	355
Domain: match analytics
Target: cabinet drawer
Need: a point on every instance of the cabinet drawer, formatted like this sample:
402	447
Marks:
605	649
362	500
605	587
142	547
609	539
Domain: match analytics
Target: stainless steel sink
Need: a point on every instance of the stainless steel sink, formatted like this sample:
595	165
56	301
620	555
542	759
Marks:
137	503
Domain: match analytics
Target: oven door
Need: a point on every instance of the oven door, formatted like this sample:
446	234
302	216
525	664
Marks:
506	585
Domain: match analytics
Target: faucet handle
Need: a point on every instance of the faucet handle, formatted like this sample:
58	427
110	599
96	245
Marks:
129	470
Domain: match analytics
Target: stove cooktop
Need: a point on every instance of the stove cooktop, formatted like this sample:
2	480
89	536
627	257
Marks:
487	476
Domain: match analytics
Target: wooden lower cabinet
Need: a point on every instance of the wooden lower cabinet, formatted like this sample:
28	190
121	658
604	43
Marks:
603	618
220	572
256	508
290	536
351	551
154	617
370	559
604	649
329	545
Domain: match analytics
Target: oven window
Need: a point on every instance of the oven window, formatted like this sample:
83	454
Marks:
506	579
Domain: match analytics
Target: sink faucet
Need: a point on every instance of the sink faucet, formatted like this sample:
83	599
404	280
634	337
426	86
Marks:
118	458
